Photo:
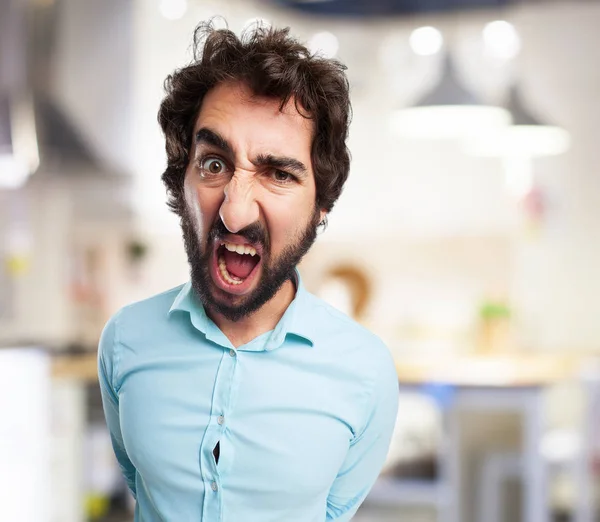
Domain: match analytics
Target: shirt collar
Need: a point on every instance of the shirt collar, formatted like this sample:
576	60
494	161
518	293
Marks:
186	301
296	320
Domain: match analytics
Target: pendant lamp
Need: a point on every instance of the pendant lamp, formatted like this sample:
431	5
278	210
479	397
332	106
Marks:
528	136
448	111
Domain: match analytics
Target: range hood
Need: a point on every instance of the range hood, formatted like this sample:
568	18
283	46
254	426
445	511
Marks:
35	133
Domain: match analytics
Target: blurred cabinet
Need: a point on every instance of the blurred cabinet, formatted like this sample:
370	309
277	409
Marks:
24	435
66	453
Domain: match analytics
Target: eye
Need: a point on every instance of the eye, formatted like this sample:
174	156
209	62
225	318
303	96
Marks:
282	177
213	166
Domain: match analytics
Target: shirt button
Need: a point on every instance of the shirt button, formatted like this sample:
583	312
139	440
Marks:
214	486
232	353
221	419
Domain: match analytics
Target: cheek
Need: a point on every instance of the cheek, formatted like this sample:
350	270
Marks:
287	221
203	207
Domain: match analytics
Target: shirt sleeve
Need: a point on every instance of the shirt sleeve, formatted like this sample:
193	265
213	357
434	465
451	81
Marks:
368	450
110	400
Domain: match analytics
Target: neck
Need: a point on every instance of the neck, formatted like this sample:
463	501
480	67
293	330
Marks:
263	320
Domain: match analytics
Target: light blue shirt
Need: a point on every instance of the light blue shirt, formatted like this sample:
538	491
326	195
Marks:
303	414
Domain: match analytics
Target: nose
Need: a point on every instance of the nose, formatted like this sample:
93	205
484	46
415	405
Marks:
239	208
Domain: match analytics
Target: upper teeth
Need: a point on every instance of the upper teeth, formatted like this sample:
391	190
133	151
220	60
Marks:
240	249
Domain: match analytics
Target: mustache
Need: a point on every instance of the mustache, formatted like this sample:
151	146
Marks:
254	233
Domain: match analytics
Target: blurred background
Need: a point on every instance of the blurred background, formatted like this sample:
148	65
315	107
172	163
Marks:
467	237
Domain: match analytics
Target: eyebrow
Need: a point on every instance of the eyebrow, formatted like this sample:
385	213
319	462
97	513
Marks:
209	137
281	162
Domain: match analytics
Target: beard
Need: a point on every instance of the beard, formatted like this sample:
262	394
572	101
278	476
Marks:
274	272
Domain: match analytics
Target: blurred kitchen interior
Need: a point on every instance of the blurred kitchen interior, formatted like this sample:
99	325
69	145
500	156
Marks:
467	237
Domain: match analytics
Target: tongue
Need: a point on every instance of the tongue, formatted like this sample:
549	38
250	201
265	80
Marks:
239	265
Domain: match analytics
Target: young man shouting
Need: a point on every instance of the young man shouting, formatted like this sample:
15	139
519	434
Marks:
239	396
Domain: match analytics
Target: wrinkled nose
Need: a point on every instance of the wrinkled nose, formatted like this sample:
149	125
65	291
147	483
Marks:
239	208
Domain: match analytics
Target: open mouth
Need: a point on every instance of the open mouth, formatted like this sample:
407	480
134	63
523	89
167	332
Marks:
236	264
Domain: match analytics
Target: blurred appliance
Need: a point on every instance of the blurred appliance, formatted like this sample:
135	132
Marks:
24	434
35	132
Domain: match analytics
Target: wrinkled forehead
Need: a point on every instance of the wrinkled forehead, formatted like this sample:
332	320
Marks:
231	95
247	120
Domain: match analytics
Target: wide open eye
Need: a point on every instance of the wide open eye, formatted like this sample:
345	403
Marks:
213	166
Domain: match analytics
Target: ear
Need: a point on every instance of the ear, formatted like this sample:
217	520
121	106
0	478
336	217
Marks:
322	216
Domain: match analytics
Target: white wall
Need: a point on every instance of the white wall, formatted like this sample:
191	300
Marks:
40	312
557	278
405	193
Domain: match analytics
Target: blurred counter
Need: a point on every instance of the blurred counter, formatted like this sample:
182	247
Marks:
497	371
83	367
512	370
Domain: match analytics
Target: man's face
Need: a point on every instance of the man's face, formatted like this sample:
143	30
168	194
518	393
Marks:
250	195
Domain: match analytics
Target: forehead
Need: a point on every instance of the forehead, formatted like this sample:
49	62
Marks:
251	121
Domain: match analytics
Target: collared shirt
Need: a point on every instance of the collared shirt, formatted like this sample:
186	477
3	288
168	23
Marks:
302	415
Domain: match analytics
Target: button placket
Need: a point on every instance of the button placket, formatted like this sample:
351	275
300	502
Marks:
222	421
212	439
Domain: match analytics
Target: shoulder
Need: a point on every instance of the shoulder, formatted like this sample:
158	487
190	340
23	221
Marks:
135	319
353	341
133	325
157	306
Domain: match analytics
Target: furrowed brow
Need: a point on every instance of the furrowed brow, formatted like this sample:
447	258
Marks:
292	165
210	137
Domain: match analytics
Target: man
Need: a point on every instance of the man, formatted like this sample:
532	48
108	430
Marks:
239	396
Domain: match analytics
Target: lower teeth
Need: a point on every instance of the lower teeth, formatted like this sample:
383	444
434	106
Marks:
232	280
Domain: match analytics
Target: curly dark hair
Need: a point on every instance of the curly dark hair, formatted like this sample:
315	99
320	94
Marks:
272	64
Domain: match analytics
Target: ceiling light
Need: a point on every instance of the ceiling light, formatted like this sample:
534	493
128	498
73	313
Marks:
325	44
173	9
13	173
501	40
18	142
426	41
